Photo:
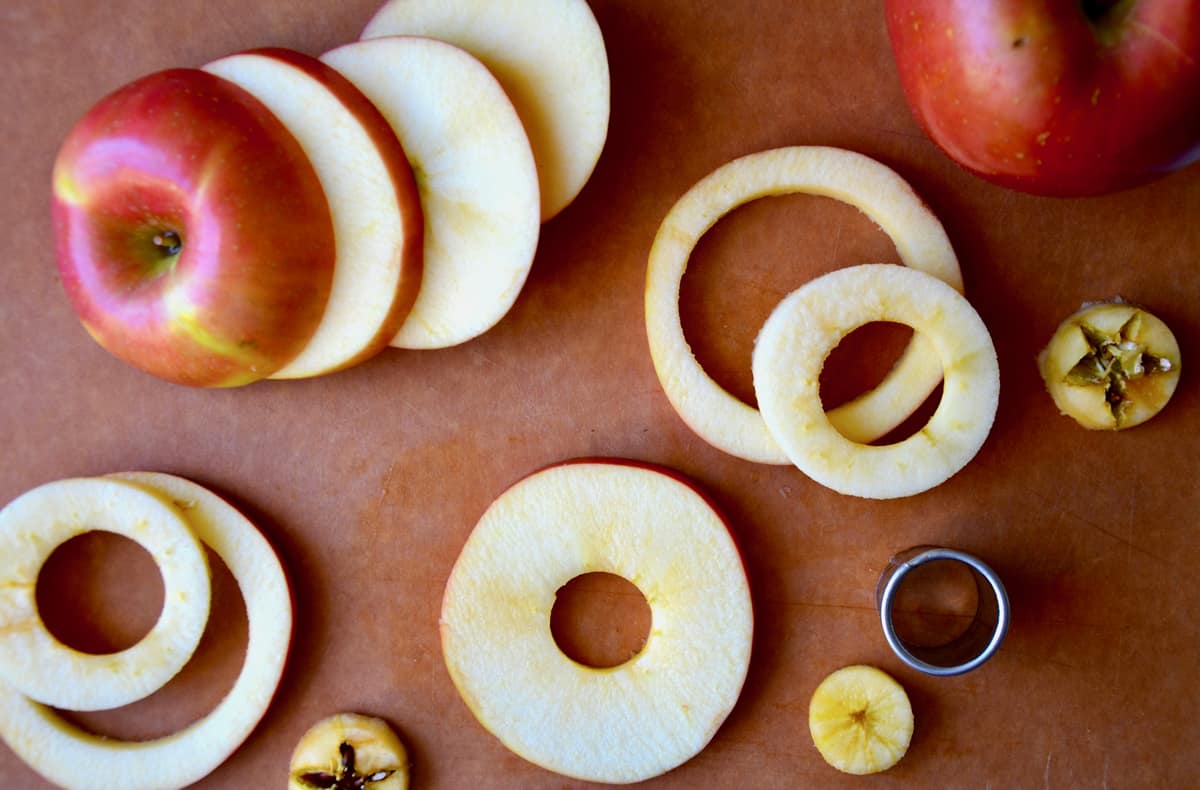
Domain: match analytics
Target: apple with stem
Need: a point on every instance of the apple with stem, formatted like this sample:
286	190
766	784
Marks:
193	236
1054	97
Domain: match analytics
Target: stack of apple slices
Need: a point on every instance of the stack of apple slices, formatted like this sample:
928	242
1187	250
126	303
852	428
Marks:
278	215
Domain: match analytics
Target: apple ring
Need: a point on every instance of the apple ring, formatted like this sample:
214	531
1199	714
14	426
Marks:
717	416
619	724
72	758
37	664
806	326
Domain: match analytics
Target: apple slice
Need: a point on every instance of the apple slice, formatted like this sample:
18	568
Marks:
618	724
475	175
70	757
809	323
879	192
32	526
548	54
372	198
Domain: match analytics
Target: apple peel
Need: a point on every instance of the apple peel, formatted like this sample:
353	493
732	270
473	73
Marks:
619	724
809	322
713	413
75	759
37	664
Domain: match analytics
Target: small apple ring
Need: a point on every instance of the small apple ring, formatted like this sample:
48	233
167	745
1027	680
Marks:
809	322
75	759
717	416
619	724
32	660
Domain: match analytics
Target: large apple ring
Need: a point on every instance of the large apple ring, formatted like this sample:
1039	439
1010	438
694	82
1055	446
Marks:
717	416
37	664
624	723
73	758
810	321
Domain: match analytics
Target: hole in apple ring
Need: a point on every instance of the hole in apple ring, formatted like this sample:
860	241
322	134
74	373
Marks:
99	593
600	620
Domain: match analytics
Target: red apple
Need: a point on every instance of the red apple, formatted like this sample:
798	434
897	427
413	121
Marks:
1054	97
194	239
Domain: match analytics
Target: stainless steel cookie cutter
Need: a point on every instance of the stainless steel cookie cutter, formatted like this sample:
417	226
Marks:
982	637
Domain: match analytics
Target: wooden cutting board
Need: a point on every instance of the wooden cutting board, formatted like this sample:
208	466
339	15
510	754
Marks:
369	481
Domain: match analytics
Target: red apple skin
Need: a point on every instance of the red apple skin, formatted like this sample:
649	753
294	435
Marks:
1036	96
185	152
412	217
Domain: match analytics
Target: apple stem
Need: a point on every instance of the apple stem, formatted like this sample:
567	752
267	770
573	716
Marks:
1097	10
169	242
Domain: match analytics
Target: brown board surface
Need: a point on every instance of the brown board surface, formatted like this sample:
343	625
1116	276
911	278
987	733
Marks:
368	481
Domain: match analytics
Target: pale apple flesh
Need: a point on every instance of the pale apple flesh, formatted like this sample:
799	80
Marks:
37	664
1058	98
194	239
808	324
372	196
475	176
619	724
78	760
861	720
550	57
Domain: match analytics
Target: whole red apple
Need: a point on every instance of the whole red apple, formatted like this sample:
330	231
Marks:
1054	97
194	239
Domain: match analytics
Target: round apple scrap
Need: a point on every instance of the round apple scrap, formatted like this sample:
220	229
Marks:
349	750
475	175
714	414
806	326
548	54
75	759
372	197
624	723
32	660
1111	366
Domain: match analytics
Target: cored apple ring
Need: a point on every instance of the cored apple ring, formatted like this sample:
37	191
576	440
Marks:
713	413
37	664
619	724
73	758
805	327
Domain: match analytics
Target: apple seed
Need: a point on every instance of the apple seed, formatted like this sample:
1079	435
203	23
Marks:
347	778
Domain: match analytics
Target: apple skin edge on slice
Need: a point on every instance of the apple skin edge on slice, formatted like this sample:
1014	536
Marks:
193	237
619	724
373	200
550	57
475	175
